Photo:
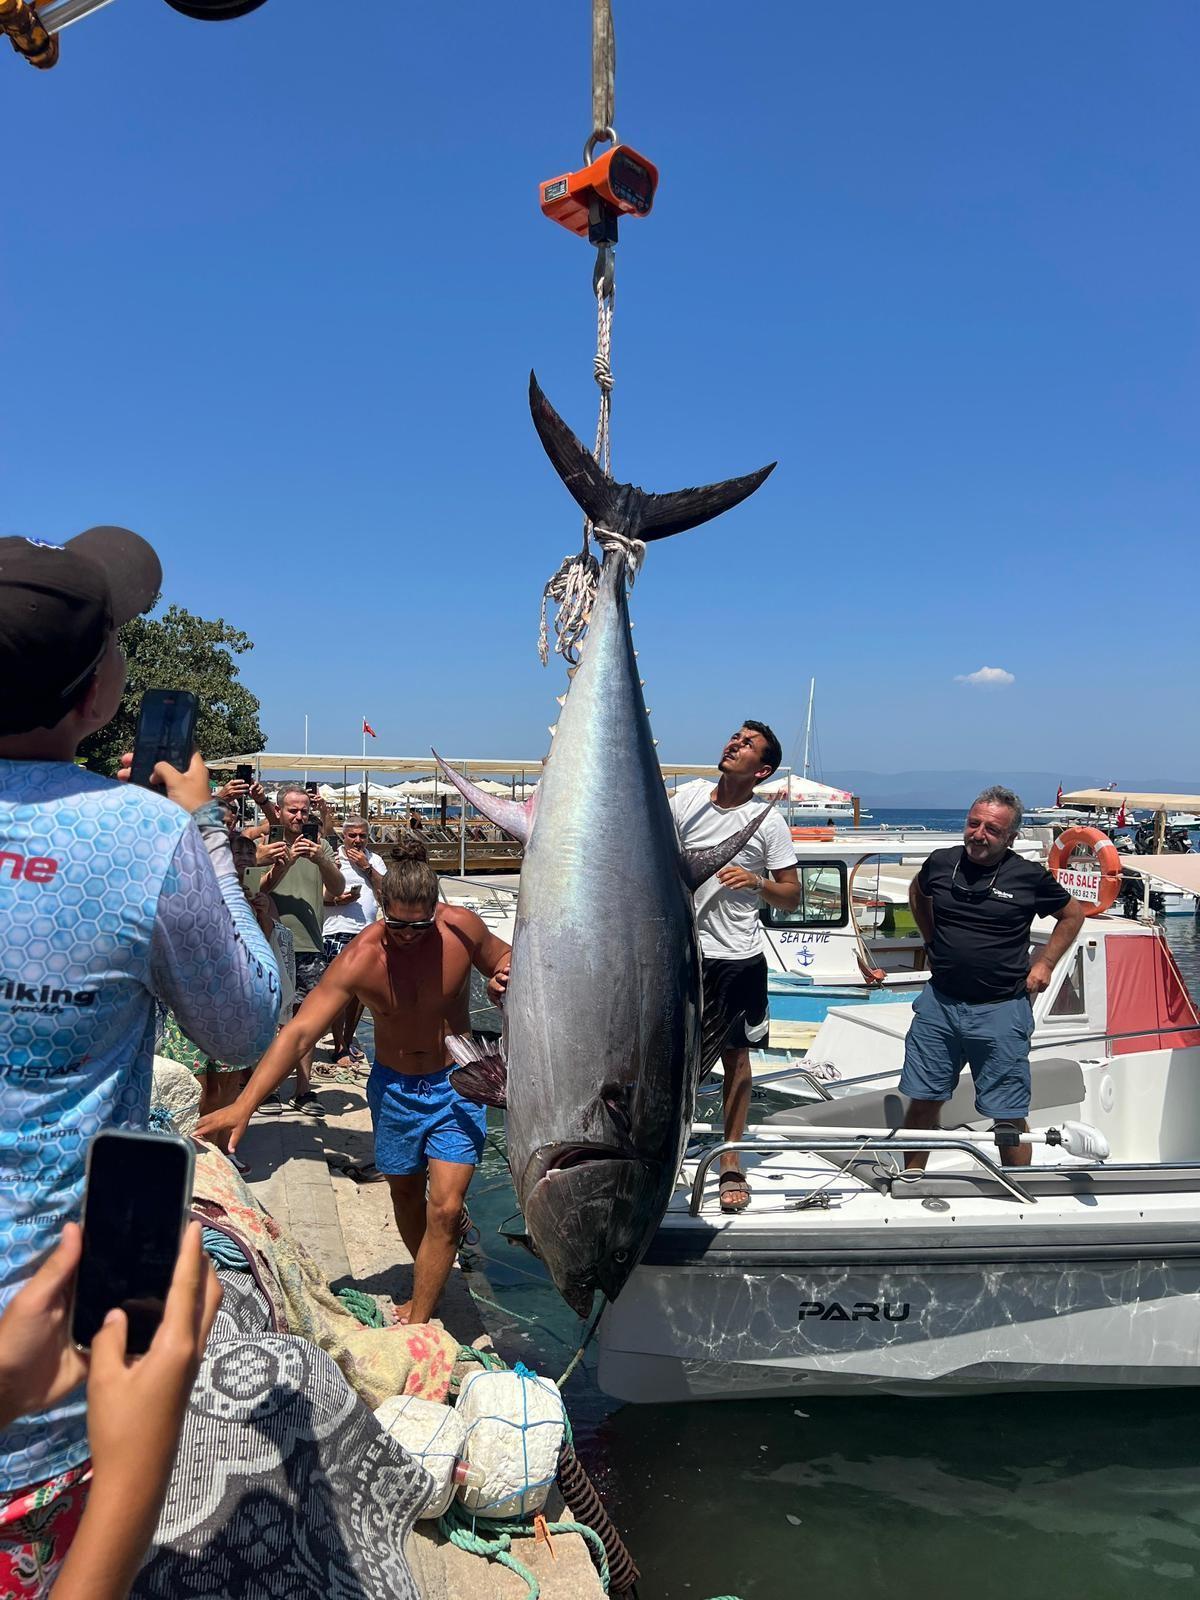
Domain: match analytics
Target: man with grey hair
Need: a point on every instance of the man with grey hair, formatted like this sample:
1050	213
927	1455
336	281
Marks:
974	905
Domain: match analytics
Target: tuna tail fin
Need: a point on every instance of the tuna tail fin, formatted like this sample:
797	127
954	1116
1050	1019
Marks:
481	1075
514	816
620	506
697	865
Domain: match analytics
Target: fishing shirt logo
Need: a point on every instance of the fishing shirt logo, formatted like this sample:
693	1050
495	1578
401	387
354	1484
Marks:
33	869
47	998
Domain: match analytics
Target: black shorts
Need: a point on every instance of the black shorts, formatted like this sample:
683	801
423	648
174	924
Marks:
737	991
310	969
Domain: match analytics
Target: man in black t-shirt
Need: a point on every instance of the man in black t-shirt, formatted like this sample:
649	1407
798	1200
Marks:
974	906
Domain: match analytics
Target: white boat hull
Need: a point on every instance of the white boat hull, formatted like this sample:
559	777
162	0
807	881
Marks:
966	1327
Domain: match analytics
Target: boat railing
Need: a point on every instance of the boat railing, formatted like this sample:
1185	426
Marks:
858	1144
489	894
1046	1042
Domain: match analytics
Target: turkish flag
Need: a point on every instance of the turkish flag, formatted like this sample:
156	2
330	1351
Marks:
1058	796
1120	823
367	728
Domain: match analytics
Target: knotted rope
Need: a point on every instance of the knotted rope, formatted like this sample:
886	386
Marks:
573	587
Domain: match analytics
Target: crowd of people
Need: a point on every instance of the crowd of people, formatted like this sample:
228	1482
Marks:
232	931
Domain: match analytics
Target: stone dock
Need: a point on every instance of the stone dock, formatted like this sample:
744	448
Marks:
349	1229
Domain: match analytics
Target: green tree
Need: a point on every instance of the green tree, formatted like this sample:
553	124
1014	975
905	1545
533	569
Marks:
182	651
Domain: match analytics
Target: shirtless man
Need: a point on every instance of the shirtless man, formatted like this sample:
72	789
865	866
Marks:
412	971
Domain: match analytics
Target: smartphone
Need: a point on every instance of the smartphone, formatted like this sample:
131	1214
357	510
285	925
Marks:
310	788
311	830
166	731
275	836
139	1186
244	772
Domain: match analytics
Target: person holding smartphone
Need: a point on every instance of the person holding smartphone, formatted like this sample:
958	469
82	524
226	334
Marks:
346	915
92	1548
302	871
115	897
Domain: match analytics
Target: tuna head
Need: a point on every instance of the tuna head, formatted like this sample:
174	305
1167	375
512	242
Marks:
592	1211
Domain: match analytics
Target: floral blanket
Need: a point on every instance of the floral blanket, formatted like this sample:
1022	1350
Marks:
377	1362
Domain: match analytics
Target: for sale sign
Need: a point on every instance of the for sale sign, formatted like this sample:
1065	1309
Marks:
1082	881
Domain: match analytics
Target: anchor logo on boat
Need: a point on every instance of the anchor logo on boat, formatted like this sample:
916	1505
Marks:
805	956
861	1311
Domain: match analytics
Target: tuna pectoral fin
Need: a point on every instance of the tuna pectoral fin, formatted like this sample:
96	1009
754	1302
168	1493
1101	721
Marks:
620	506
697	865
511	815
481	1075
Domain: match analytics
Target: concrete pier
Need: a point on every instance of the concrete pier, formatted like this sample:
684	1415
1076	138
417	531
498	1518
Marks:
349	1228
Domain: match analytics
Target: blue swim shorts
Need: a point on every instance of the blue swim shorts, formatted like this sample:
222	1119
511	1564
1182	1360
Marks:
993	1039
417	1120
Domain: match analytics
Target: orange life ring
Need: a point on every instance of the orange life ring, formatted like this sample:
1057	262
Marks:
1105	852
812	833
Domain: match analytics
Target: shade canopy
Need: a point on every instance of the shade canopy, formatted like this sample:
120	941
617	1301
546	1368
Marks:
277	761
1111	799
1183	871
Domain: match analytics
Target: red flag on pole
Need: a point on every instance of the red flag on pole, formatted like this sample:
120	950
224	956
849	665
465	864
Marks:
1120	823
1058	796
367	728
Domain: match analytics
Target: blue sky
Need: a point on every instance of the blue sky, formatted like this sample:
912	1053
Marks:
281	291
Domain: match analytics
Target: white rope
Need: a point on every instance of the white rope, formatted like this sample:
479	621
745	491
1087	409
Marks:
573	587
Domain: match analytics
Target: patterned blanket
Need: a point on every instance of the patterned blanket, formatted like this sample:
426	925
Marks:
285	1486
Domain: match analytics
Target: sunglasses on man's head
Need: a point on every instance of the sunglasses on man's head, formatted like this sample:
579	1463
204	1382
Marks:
401	925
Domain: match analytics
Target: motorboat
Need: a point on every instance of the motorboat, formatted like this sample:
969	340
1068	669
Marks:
850	1272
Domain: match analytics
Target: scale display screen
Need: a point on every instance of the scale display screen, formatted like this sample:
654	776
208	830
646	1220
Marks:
630	181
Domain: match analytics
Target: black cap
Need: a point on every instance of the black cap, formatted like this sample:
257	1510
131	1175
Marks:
58	605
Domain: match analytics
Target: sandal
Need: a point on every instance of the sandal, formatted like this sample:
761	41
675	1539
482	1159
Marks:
733	1179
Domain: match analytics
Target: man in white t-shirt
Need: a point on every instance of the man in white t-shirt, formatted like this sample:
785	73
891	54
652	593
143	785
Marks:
727	916
346	915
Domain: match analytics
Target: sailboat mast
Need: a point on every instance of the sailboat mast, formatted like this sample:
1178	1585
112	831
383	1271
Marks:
812	684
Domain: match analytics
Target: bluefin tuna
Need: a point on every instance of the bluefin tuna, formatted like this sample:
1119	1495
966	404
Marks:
603	1042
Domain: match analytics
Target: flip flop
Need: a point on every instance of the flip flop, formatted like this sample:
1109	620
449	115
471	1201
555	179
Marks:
733	1179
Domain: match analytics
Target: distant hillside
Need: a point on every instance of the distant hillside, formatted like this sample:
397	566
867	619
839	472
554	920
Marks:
934	790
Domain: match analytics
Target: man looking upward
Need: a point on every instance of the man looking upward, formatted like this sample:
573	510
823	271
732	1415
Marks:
412	971
302	872
727	917
974	905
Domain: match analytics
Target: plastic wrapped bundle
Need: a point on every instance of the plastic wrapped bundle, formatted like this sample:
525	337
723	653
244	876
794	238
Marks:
434	1434
515	1424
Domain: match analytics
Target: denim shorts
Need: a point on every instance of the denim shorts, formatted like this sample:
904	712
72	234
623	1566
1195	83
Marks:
418	1120
992	1039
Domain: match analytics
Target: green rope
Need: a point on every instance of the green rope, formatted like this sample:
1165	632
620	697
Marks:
363	1306
482	1299
463	1530
460	1530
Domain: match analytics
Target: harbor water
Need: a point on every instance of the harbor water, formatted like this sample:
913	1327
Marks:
1089	1496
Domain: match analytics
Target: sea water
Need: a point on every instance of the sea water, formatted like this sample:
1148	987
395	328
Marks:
1067	1496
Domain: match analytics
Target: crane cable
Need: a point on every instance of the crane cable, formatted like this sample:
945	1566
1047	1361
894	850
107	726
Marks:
573	587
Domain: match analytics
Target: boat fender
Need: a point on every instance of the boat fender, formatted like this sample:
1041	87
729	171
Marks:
435	1434
814	833
1103	852
515	1425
